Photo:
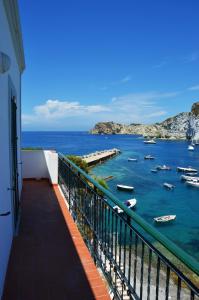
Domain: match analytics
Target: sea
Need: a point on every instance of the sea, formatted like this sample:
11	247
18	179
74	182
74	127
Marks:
153	199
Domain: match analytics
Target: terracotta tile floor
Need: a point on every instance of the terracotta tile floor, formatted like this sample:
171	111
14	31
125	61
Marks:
49	259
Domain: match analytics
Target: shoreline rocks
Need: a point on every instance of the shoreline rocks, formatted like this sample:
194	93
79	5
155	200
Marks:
183	126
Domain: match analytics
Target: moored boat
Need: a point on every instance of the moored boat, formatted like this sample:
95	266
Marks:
191	148
194	183
150	142
164	219
169	186
191	173
132	159
118	209
164	168
130	203
149	157
189	169
189	178
125	187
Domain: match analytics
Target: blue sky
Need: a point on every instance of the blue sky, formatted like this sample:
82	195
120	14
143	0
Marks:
108	60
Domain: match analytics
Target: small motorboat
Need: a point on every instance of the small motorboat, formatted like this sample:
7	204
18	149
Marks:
189	178
149	157
191	148
163	168
154	170
125	187
132	159
150	142
187	170
130	203
118	209
168	186
164	219
194	183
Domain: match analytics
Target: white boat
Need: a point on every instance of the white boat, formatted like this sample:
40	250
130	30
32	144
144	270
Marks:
132	159
154	170
189	178
169	186
191	173
189	169
164	219
118	209
191	148
130	203
164	168
150	142
194	183
125	187
149	157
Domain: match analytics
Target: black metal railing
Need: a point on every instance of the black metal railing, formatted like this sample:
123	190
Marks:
136	259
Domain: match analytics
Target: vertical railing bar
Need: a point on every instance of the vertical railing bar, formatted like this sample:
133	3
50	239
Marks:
125	233
149	275
109	228
179	288
157	278
105	227
192	295
141	271
167	284
120	242
135	262
130	247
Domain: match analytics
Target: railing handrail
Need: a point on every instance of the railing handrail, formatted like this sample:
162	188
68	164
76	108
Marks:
184	257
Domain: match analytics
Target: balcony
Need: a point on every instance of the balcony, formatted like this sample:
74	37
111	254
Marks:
58	235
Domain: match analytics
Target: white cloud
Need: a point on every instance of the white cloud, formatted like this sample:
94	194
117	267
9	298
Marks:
144	107
57	110
194	88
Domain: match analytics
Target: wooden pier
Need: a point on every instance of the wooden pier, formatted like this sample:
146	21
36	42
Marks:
100	156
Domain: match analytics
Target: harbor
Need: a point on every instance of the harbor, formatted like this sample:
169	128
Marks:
100	156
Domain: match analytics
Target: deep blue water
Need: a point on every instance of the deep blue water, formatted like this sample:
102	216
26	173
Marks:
152	199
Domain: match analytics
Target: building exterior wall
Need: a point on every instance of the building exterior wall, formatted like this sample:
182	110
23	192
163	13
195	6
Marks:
40	164
8	80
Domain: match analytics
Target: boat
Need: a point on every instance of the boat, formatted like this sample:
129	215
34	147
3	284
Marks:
130	203
194	183
132	159
187	170
149	157
191	173
154	170
125	187
191	148
164	219
169	186
118	209
189	178
150	142
164	167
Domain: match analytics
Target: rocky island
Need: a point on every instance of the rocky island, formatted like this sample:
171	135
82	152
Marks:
185	125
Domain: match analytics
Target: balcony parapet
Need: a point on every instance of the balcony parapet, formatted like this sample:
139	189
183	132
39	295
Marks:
40	164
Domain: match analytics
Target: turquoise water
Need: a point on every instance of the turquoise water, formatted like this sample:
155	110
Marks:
152	199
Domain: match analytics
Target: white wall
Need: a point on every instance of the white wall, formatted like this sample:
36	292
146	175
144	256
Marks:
40	164
6	223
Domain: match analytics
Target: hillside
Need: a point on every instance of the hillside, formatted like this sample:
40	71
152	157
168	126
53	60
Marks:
185	125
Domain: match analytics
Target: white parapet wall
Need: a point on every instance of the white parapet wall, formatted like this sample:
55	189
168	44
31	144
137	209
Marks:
40	164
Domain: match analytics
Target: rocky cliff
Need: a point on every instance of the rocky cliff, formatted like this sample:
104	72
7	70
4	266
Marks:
182	126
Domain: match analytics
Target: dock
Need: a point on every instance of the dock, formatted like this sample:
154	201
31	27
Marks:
100	156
